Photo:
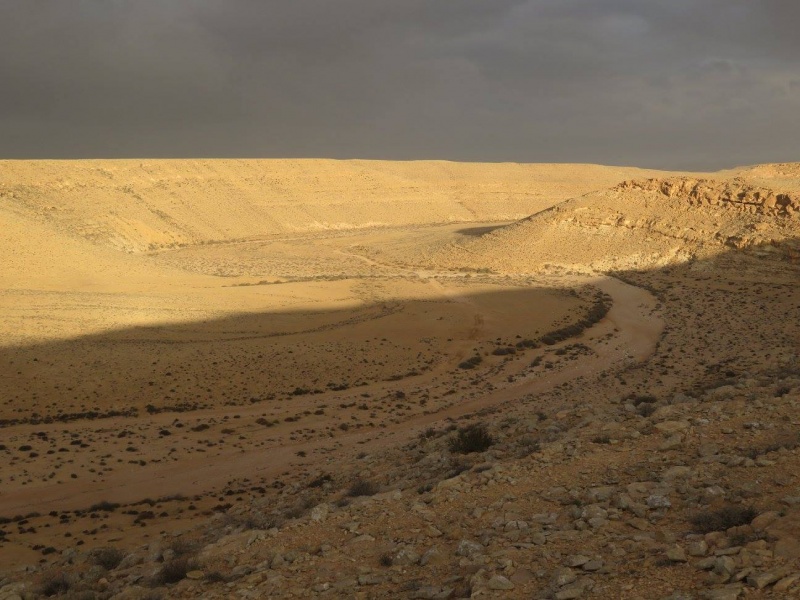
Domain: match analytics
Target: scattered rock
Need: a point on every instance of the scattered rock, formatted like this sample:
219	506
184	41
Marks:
676	554
499	582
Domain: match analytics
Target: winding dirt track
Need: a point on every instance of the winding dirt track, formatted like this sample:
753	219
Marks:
633	321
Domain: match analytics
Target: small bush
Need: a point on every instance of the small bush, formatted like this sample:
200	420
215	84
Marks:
471	363
362	487
504	350
295	512
173	571
475	438
105	505
787	441
723	518
320	481
53	583
252	520
599	309
456	468
527	344
639	400
144	515
184	547
528	445
108	558
430	432
386	559
646	410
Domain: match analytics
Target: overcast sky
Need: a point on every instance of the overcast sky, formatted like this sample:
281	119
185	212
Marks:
659	83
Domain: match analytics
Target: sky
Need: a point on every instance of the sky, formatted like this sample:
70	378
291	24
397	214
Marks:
678	84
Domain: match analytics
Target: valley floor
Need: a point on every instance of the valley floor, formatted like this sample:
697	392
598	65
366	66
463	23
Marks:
382	412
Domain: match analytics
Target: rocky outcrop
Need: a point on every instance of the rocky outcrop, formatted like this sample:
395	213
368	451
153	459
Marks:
645	223
735	194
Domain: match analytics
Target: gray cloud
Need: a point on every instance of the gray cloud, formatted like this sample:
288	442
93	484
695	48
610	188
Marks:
679	84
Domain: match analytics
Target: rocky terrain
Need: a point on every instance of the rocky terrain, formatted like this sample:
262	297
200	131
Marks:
641	224
596	401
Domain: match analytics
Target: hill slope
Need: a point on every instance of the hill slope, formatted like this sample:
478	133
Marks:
642	223
140	205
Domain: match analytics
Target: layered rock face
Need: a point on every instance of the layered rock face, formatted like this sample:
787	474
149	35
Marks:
643	223
736	194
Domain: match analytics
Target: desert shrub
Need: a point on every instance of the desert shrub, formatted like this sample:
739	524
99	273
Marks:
144	515
526	343
260	521
430	432
723	518
646	410
320	481
639	400
528	445
601	439
456	468
362	487
471	362
386	559
596	313
424	488
504	350
172	571
108	557
184	547
53	583
105	505
787	441
295	512
474	438
251	520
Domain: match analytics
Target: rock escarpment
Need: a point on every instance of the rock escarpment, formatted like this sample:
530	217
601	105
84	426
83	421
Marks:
736	194
644	223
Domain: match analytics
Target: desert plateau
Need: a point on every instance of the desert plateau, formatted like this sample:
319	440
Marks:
375	379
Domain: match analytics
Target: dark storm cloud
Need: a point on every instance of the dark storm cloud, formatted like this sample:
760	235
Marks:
700	83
